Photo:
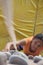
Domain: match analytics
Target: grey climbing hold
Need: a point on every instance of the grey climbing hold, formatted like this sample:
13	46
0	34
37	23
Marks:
30	57
18	58
8	54
37	59
3	59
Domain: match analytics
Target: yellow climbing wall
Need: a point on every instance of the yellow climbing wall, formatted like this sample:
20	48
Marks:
27	18
4	36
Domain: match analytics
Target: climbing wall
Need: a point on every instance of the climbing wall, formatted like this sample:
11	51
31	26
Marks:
4	35
28	17
27	20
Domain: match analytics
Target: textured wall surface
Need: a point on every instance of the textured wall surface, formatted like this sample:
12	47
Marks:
28	17
27	20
